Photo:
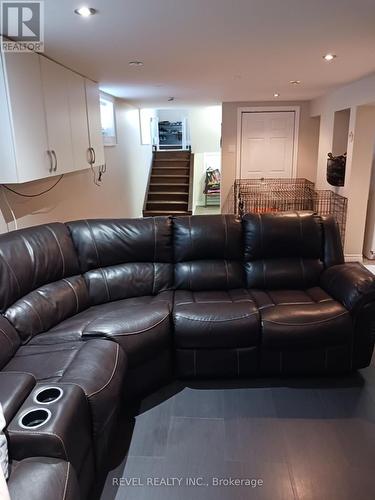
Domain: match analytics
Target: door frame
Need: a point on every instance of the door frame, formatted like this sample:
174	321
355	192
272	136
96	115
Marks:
269	109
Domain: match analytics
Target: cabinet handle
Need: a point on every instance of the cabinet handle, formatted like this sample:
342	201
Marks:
55	157
51	161
89	156
93	152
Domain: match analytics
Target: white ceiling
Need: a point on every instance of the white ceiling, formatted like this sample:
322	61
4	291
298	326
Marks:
209	51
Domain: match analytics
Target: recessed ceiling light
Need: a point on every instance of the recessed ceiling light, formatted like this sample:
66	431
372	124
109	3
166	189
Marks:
135	63
329	57
85	11
294	82
276	94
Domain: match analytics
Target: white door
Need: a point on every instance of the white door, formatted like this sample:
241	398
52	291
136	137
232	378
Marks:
78	120
25	94
267	144
56	98
94	122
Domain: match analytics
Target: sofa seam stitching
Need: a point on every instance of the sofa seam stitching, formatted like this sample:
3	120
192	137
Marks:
215	321
136	332
306	324
74	292
60	249
111	377
66	481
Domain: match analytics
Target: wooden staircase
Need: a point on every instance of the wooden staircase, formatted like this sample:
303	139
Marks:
169	189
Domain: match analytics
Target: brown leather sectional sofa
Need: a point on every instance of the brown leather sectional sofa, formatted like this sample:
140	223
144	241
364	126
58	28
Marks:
92	311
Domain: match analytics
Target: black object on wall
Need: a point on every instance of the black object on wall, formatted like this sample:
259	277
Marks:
336	169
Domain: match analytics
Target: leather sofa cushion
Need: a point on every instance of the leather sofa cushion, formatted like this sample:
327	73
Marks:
14	389
141	325
102	243
9	341
33	257
296	319
208	252
42	478
215	319
41	309
124	258
98	367
283	250
282	234
128	280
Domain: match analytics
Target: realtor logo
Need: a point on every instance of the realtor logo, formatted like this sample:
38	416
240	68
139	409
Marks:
22	25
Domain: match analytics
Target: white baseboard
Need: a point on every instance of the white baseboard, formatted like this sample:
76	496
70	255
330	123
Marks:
352	257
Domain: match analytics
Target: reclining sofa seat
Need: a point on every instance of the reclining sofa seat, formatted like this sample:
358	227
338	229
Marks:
271	295
40	286
127	265
304	329
216	321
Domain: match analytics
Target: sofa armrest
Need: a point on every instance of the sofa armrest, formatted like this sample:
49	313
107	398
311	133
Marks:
351	284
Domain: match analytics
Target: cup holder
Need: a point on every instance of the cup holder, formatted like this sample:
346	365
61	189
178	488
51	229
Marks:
34	418
48	395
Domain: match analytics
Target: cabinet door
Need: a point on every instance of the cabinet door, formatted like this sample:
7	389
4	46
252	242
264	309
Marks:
93	117
26	105
55	89
78	120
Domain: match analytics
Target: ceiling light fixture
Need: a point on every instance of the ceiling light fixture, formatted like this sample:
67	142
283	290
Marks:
276	94
329	57
294	82
170	99
135	63
85	11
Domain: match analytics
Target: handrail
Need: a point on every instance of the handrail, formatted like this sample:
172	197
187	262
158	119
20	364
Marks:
191	183
148	182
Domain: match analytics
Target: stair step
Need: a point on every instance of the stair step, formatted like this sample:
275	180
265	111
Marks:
172	159
161	155
174	184
178	189
167	175
169	192
168	196
167	202
151	213
169	171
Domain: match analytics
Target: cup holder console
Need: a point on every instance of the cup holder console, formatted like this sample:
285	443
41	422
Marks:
34	418
48	395
53	421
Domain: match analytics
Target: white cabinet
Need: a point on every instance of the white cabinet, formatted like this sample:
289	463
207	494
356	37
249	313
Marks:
94	123
66	115
49	119
23	143
78	120
56	101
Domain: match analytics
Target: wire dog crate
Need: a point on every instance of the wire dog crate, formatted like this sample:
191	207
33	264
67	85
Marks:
273	195
283	195
328	202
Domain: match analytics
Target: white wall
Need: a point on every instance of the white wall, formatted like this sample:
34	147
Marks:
76	196
353	96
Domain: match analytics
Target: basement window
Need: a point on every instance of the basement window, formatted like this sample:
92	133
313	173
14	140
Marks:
107	116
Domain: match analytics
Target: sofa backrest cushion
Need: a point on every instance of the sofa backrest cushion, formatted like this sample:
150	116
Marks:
123	258
282	250
38	288
208	252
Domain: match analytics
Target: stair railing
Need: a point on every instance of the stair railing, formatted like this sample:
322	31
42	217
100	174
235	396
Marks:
148	181
191	182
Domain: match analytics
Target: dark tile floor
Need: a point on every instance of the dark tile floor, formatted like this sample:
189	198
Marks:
305	439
